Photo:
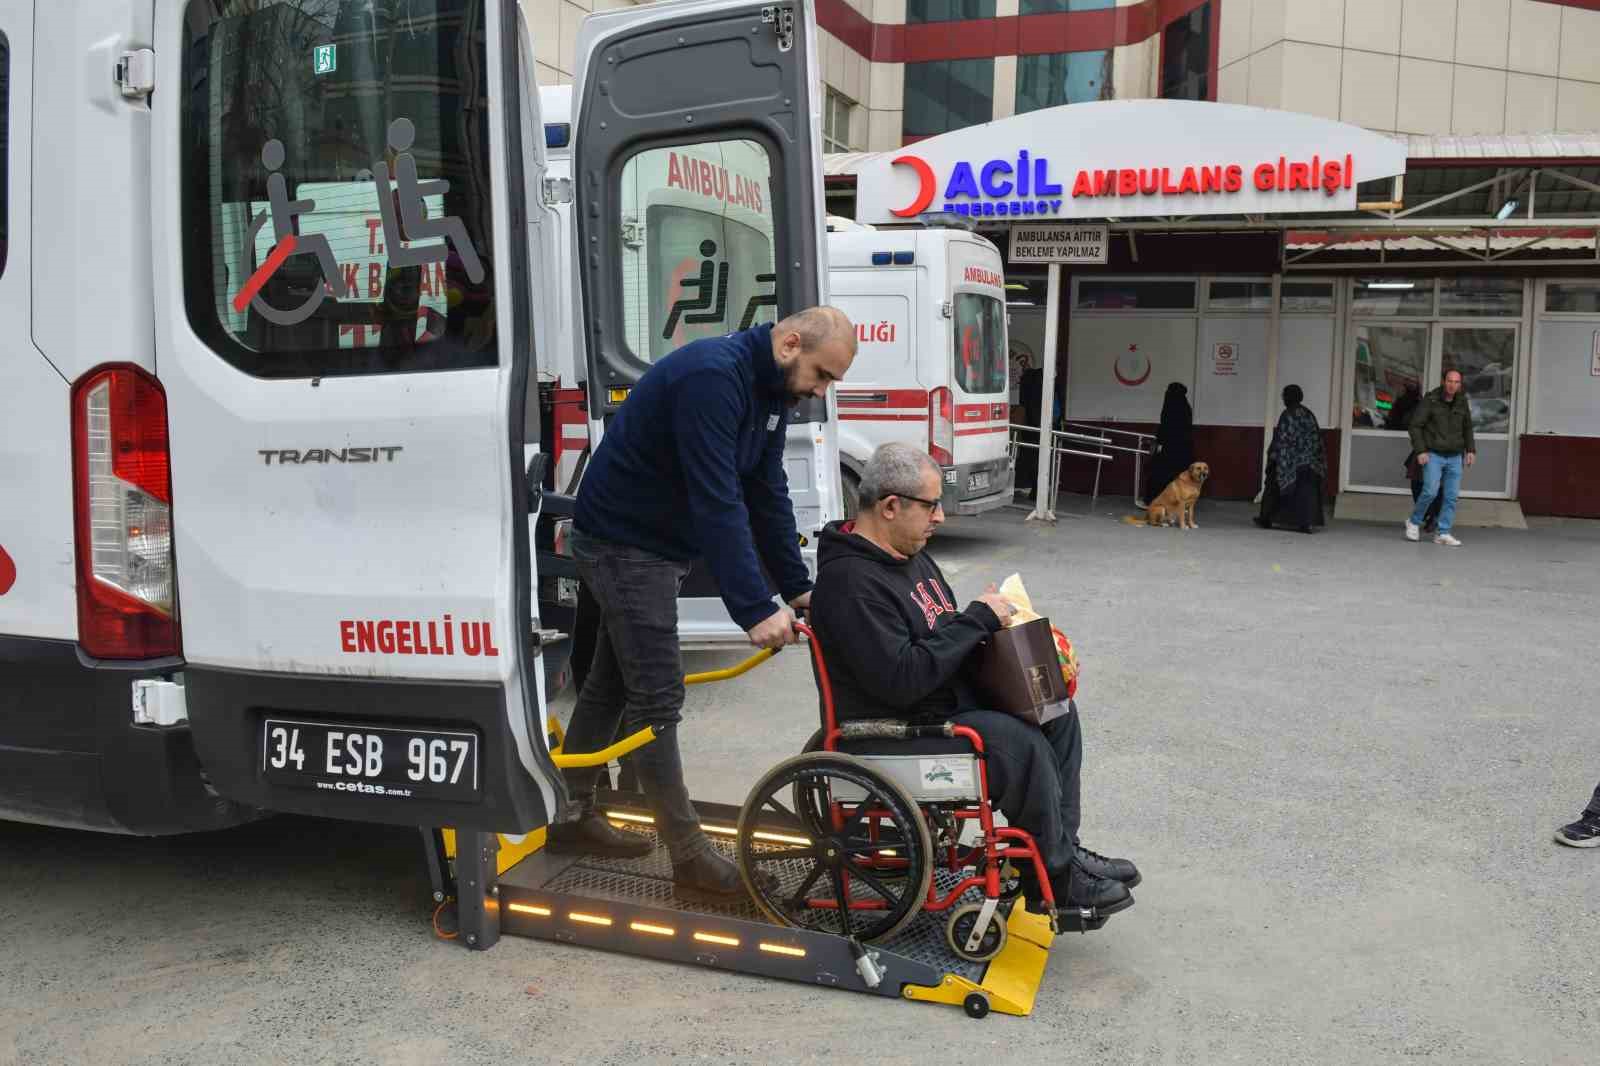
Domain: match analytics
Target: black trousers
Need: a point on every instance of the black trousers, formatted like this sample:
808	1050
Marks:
636	679
1033	777
1594	803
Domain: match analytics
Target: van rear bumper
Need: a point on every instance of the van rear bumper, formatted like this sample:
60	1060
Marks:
71	755
967	492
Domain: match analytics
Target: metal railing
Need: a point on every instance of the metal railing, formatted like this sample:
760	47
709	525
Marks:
1106	445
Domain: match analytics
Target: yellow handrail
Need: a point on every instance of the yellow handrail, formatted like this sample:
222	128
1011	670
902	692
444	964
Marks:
731	672
622	747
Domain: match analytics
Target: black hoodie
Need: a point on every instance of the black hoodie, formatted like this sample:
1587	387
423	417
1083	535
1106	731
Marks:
895	644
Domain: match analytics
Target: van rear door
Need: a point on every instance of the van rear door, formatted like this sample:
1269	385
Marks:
342	279
979	371
700	211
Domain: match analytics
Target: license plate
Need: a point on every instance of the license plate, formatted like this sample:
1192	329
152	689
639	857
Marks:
977	482
363	760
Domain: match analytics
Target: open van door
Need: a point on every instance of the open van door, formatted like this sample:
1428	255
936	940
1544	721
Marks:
344	336
698	181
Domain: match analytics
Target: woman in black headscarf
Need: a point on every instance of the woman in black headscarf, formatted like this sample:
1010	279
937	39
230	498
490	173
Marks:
1296	465
1174	441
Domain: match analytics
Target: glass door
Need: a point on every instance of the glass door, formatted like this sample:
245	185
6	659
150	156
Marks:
1396	364
1392	371
1486	355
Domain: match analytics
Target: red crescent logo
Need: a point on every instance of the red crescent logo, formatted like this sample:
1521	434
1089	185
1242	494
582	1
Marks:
8	572
925	194
1116	368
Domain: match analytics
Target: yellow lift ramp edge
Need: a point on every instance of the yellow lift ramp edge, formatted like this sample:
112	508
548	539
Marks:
512	885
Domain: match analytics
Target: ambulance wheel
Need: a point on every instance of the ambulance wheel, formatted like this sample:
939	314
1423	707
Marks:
958	930
850	486
976	1005
841	862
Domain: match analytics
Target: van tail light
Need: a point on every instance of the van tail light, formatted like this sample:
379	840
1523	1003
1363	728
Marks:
941	427
122	501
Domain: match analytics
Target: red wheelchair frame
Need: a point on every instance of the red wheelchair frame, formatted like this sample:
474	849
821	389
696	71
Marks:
999	843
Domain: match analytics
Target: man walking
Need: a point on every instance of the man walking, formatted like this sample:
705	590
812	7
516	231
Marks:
691	467
1441	436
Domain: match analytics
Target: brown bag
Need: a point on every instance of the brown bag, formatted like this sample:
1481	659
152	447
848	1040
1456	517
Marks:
1019	673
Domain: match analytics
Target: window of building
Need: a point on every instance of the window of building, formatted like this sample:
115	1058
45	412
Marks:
1393	296
1064	78
836	122
1133	294
1051	7
1186	56
1570	296
948	95
1296	297
1471	295
948	10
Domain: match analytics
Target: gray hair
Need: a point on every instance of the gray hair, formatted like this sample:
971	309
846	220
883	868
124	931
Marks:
894	470
818	326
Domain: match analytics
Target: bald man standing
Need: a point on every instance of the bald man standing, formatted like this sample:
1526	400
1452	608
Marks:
691	467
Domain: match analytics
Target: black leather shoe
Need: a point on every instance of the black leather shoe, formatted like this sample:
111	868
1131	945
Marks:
1097	865
709	878
591	834
1077	890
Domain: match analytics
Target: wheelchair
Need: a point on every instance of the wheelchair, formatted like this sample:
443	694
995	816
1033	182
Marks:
867	828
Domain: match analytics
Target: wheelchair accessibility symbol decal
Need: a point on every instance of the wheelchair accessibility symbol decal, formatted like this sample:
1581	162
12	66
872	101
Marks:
403	207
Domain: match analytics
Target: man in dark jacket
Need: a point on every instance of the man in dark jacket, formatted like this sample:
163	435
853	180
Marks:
691	467
1441	435
898	648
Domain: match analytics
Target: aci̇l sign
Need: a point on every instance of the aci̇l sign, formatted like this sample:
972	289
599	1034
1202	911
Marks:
1130	158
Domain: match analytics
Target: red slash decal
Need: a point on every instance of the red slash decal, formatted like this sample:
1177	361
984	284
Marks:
8	572
275	260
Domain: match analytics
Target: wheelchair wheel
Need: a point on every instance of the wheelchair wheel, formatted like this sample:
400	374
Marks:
958	932
839	879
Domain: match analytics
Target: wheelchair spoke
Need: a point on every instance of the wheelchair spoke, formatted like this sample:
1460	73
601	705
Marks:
858	819
873	883
798	899
772	801
842	896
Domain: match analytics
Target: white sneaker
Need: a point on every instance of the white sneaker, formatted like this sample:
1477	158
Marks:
1447	540
1412	532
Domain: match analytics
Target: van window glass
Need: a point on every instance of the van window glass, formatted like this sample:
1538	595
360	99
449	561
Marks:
335	162
696	244
980	343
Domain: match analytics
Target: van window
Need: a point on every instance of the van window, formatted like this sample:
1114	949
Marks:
980	355
335	173
697	244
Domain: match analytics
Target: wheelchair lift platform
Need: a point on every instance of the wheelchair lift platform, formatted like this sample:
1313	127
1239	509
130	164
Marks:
628	906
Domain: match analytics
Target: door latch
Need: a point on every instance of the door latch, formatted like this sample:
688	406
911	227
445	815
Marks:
557	191
782	20
135	73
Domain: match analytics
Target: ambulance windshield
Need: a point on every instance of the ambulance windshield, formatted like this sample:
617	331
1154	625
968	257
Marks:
336	185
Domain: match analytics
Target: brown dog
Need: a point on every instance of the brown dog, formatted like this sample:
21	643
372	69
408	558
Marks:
1175	505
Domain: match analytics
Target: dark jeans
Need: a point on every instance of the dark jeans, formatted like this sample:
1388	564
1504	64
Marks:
1033	777
1594	803
635	680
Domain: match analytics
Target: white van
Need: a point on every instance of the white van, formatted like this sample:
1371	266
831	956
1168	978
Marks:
276	281
932	365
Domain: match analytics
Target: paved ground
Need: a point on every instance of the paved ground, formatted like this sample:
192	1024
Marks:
1338	760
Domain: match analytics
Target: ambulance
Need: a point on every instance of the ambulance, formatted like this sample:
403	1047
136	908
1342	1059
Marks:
279	278
932	363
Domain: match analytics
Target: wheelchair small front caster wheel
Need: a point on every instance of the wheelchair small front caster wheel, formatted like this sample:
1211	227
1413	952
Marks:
958	933
976	1005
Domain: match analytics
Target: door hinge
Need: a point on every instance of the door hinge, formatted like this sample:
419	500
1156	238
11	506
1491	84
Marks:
557	191
135	73
782	20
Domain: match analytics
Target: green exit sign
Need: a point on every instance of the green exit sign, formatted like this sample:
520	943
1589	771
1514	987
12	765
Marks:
325	59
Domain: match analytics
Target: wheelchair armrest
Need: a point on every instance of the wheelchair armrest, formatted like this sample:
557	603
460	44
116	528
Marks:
892	729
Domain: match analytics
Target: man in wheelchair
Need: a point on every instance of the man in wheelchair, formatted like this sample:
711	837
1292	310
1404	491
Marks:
897	647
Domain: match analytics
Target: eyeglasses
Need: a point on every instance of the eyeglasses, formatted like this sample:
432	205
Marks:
931	505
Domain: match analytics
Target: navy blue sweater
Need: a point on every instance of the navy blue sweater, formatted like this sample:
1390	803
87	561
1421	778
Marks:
692	466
